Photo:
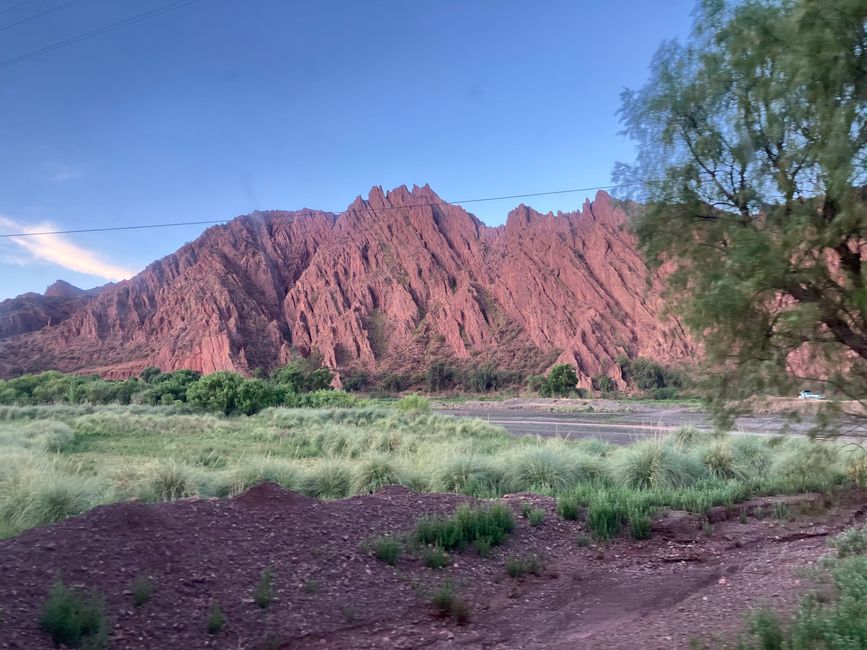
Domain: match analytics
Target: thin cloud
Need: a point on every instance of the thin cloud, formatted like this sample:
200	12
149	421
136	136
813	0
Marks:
59	173
57	249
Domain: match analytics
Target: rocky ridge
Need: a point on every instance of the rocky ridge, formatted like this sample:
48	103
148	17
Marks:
397	280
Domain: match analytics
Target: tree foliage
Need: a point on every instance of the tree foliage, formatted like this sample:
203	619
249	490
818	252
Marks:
561	381
751	166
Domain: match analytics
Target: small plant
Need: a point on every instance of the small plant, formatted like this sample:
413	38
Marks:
583	541
483	546
518	567
310	587
640	524
142	589
263	593
349	614
707	527
72	619
216	618
489	524
386	549
568	507
447	603
781	511
434	557
536	516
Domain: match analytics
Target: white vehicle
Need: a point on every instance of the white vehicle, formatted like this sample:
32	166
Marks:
808	394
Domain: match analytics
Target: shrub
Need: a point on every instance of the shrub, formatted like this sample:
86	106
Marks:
263	593
568	507
72	618
852	541
440	376
539	468
329	480
518	567
807	466
560	382
413	402
654	464
466	474
216	618
640	523
719	461
373	473
605	515
172	481
467	525
303	376
142	589
535	383
604	384
536	516
434	557
447	603
386	549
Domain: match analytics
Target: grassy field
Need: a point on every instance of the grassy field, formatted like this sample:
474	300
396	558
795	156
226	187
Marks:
61	460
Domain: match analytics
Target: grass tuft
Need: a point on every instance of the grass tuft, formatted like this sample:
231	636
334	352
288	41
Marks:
73	619
487	525
263	593
386	549
216	619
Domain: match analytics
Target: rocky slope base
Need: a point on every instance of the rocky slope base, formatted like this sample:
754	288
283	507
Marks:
391	284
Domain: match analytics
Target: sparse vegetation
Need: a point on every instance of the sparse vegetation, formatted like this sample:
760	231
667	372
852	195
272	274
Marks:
263	592
74	619
518	567
142	589
386	549
434	557
488	525
447	602
216	619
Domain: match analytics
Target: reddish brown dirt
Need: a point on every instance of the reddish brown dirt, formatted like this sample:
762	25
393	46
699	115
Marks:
680	584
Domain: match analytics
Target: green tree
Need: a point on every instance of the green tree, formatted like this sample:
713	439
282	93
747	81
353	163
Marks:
440	375
216	392
560	382
302	376
751	166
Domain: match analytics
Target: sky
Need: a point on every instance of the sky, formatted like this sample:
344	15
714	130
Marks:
222	107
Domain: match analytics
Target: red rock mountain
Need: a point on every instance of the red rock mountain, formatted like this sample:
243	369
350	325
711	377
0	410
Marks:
392	283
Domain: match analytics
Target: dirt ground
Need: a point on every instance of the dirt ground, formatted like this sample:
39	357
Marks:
689	581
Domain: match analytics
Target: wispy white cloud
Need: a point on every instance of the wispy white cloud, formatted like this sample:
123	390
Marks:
60	173
57	249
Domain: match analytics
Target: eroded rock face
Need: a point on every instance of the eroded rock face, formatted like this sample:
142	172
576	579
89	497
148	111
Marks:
395	281
30	312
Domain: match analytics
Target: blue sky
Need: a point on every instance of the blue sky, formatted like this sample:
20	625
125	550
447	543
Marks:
227	106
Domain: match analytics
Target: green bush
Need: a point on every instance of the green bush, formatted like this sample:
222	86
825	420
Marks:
216	618
440	376
539	469
465	474
569	507
386	549
604	384
413	402
303	376
73	619
466	526
374	472
653	464
142	589
329	480
263	592
561	381
447	603
434	557
518	567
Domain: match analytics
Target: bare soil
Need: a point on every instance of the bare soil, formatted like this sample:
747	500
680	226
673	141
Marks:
688	581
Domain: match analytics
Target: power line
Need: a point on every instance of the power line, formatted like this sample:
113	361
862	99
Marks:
20	4
173	224
97	32
37	15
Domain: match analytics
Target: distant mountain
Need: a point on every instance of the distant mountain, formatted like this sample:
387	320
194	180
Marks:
392	283
33	311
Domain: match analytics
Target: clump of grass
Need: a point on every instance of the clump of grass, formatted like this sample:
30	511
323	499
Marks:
373	473
447	602
434	557
329	480
852	541
569	507
719	461
142	589
172	481
413	402
263	593
539	469
640	523
386	549
605	516
467	525
483	546
73	619
807	465
536	516
685	436
518	567
216	618
655	464
467	474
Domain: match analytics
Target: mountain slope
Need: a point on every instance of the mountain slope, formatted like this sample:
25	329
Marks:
392	283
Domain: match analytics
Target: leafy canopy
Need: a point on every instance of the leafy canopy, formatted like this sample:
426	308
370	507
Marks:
752	165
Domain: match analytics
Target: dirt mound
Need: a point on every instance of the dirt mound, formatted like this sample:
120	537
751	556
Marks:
268	494
330	592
